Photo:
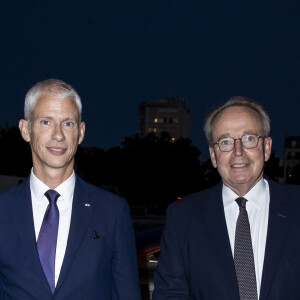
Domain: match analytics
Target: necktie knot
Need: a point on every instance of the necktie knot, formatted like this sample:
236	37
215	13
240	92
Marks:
52	196
241	202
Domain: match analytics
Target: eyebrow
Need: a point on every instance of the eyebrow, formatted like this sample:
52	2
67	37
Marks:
226	135
52	118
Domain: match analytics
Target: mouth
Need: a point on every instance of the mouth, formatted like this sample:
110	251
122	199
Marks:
239	165
57	150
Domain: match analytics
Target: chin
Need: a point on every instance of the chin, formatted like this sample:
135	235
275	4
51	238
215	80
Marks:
241	179
58	165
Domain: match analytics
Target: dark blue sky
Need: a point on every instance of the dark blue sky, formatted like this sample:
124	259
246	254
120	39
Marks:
118	54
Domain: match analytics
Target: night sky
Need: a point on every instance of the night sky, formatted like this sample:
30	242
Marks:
118	54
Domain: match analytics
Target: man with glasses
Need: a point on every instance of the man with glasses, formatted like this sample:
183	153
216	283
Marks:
240	239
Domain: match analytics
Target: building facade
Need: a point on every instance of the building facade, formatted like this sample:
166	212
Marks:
291	159
167	114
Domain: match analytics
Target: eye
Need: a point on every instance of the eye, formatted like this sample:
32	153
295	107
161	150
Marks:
69	124
45	122
249	138
225	142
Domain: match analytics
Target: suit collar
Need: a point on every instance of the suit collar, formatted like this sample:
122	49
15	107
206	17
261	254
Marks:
255	196
21	210
20	207
82	211
217	235
277	230
65	189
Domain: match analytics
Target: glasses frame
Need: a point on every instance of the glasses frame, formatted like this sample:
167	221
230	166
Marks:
258	137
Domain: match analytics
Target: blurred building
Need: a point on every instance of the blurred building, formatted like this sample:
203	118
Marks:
167	114
291	161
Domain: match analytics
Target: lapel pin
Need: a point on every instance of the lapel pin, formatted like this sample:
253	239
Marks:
280	215
87	204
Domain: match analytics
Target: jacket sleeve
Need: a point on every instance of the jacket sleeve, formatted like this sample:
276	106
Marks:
124	261
170	279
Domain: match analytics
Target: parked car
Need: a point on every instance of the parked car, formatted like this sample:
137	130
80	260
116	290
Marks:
148	249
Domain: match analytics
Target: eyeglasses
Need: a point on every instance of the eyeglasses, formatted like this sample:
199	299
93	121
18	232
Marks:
249	141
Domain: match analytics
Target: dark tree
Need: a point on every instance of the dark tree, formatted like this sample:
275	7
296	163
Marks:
15	153
156	170
153	171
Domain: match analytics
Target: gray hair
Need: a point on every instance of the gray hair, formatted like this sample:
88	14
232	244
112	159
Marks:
237	101
58	87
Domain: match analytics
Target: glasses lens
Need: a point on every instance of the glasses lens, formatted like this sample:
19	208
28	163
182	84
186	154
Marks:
250	141
226	144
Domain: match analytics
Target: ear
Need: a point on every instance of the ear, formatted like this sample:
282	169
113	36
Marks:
213	156
81	132
267	147
25	132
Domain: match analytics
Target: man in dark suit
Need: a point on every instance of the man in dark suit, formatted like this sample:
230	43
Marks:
62	238
240	239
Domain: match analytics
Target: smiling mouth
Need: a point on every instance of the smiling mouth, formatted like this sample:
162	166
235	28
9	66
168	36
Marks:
239	165
56	150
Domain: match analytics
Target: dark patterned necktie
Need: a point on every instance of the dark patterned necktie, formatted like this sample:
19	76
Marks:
243	255
47	239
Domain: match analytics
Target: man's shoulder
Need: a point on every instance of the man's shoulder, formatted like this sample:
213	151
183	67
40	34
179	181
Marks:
97	193
199	200
286	191
284	187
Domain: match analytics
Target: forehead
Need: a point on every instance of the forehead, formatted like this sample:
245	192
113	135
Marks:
50	103
235	121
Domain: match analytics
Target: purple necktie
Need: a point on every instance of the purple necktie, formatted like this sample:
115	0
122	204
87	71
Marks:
46	242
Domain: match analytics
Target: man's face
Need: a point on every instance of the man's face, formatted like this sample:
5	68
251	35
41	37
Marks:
54	134
241	168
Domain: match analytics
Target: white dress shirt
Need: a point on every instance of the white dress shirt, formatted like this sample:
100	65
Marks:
258	212
64	204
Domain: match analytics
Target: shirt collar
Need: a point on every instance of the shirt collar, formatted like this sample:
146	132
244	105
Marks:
254	196
65	189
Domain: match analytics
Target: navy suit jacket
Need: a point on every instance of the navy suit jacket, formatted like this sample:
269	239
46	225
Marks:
196	260
93	268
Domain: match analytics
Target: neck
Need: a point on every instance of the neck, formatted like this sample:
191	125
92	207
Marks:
243	188
52	178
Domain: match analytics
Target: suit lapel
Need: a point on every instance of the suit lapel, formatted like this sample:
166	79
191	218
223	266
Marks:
277	230
217	233
21	210
82	211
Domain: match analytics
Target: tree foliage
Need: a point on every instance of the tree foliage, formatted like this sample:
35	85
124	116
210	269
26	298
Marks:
15	153
152	171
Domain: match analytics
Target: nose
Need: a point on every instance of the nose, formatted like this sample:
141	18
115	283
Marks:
238	149
57	133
